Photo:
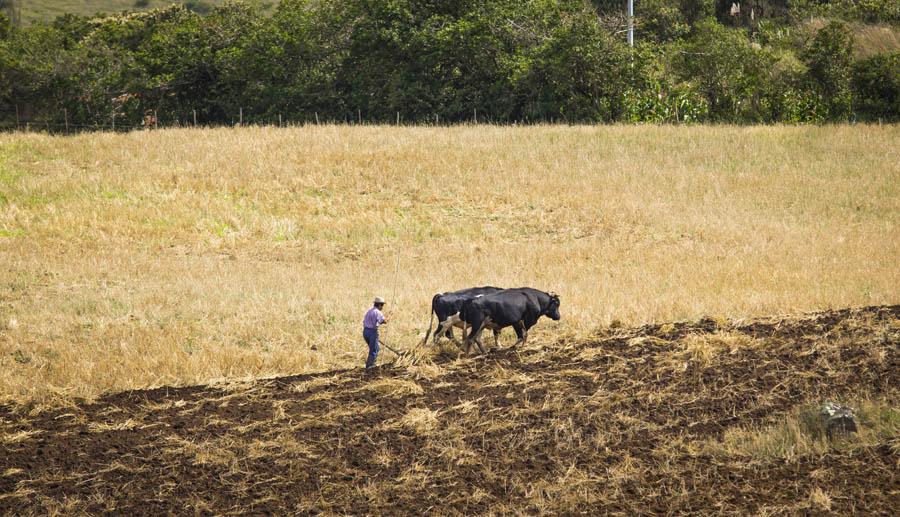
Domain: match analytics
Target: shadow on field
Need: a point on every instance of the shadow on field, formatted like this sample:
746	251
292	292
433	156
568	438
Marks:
661	418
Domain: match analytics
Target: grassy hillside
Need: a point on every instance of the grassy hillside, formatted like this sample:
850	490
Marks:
868	39
46	10
677	419
184	255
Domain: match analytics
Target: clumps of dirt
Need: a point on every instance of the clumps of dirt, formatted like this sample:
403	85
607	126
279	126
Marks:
688	417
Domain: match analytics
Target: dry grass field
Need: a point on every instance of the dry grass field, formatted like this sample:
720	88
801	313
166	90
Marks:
181	256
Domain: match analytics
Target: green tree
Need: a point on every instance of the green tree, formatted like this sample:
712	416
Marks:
876	87
577	71
829	56
729	71
661	20
695	10
31	69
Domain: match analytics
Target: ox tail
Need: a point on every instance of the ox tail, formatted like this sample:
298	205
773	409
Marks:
431	318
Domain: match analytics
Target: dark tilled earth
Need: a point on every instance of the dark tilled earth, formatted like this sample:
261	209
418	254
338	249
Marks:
631	421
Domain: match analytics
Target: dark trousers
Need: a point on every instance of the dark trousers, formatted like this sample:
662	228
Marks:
371	337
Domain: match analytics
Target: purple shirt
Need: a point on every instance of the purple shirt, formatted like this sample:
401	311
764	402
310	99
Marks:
373	318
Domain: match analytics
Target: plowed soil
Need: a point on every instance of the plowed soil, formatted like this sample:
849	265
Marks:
629	422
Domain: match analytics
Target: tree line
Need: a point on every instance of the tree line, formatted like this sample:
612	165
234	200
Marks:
448	61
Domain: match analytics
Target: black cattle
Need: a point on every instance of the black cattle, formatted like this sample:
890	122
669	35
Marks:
446	307
517	308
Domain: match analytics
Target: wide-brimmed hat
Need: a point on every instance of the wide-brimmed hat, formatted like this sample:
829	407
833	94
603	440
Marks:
378	300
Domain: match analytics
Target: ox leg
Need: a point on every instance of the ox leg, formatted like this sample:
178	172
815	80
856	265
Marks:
467	339
475	335
455	321
445	328
521	333
480	343
496	338
437	333
441	330
478	340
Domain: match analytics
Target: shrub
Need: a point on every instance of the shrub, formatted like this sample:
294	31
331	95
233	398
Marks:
661	103
876	87
5	26
660	20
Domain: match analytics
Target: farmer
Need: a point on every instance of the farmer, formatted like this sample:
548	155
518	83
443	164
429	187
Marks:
372	320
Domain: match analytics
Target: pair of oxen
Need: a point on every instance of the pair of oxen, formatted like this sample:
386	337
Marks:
479	308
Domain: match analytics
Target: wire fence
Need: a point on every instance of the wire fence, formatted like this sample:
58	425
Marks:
61	125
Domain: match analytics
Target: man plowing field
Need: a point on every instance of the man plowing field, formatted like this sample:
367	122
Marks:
373	319
477	308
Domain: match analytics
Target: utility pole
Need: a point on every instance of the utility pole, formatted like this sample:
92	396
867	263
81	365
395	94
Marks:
630	23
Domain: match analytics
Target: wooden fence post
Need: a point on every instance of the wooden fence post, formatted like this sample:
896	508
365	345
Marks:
476	115
279	120
317	118
114	119
241	116
195	117
155	120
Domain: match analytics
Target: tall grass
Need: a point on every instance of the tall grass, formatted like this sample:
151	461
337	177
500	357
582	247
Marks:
870	40
181	256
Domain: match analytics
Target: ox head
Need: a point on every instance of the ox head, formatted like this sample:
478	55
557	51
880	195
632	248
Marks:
552	311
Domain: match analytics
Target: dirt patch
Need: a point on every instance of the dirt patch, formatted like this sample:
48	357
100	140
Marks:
616	424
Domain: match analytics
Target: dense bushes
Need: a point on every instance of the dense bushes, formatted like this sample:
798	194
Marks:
828	59
426	60
876	87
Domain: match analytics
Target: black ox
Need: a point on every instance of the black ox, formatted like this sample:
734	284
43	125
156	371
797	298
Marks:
446	307
517	308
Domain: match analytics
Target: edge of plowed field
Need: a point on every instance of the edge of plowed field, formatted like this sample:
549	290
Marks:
680	417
